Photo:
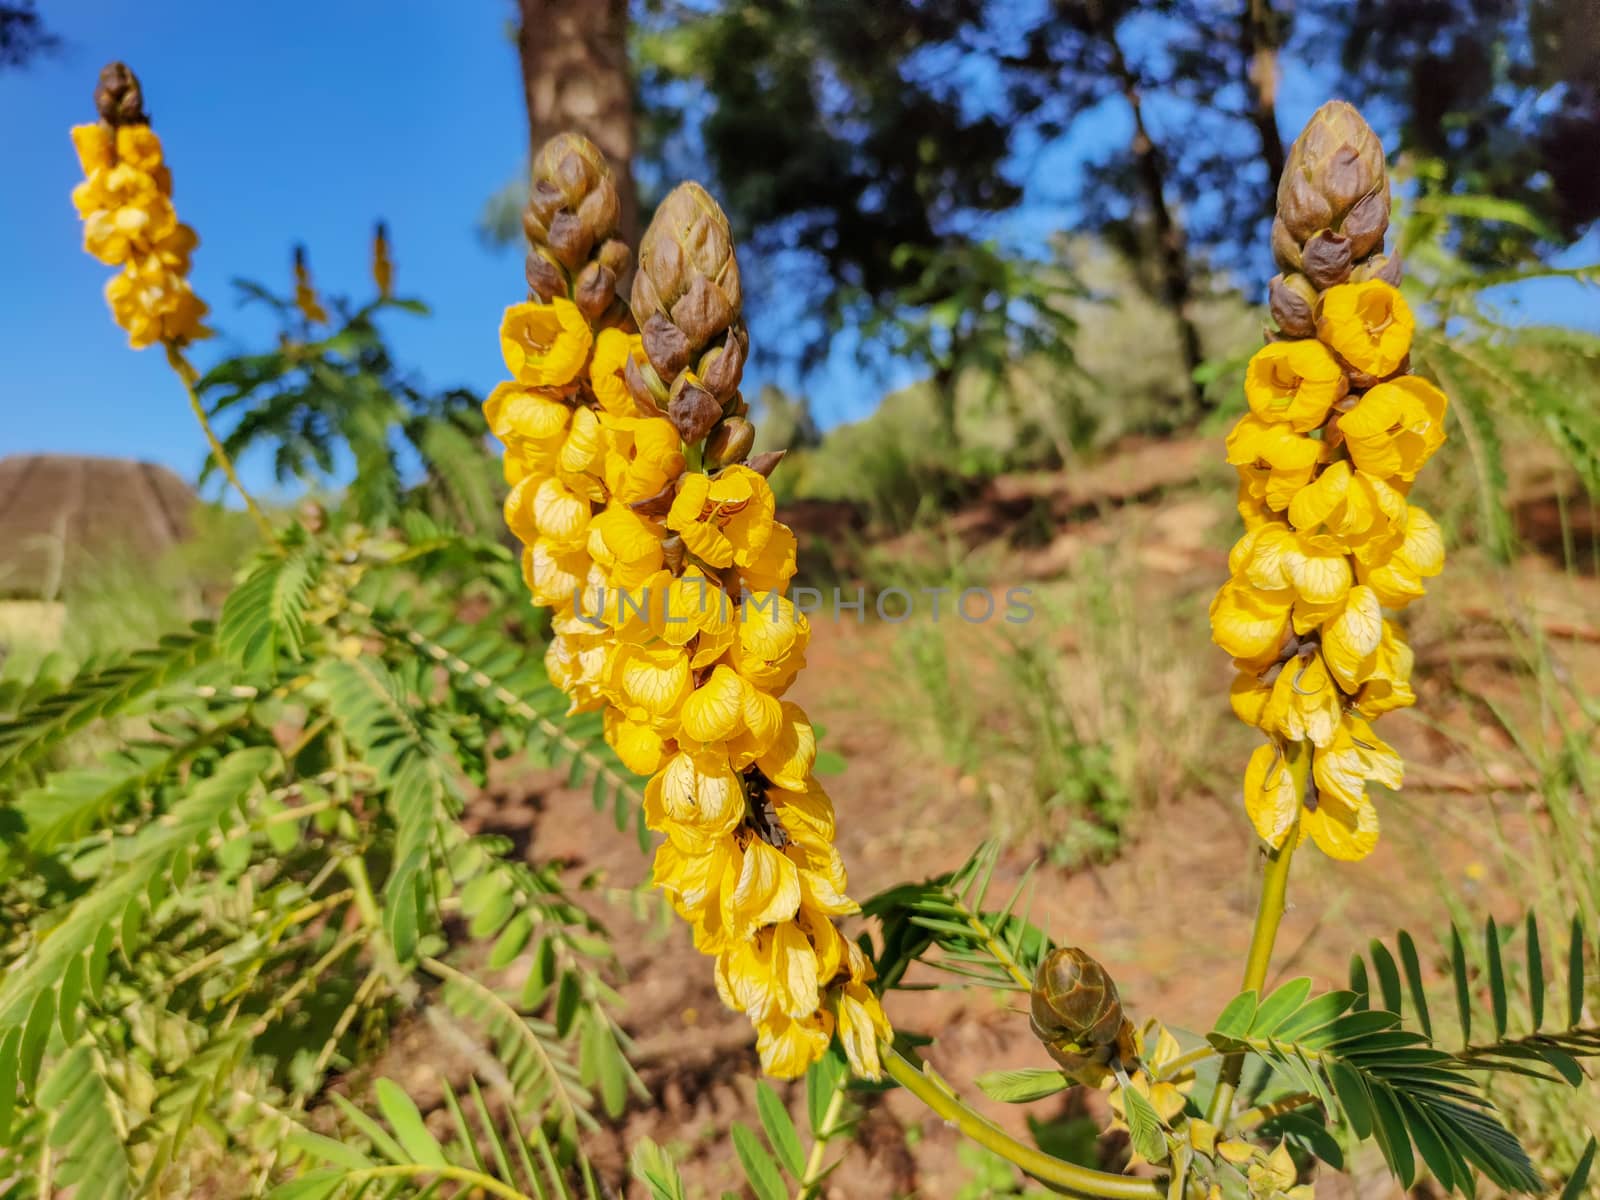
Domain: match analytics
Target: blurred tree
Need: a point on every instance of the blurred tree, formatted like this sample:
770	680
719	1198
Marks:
575	76
22	33
1503	96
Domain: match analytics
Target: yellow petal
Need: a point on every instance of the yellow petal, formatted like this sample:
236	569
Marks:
715	710
788	761
1269	795
1369	324
789	1047
545	345
768	890
1341	831
1250	624
1314	503
1350	640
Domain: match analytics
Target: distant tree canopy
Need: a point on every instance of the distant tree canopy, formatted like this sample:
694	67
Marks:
857	139
22	33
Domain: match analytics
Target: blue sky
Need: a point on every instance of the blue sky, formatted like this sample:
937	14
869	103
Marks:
296	121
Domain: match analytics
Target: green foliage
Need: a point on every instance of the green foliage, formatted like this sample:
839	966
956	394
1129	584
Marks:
996	948
323	403
233	861
1379	1081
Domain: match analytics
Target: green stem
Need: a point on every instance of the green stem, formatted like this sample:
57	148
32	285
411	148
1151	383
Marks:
1269	915
477	1179
190	377
1261	1114
811	1179
1063	1176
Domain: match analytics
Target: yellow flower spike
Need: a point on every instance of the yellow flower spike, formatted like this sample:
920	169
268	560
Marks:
1367	324
1294	382
382	263
1270	797
545	345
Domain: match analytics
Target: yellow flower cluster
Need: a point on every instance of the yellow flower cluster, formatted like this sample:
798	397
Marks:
125	202
667	587
305	292
1330	542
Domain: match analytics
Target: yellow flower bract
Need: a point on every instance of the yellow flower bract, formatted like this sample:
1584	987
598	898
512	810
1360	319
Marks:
668	594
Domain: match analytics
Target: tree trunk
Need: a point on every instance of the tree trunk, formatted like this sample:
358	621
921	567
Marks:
575	77
1262	36
1171	245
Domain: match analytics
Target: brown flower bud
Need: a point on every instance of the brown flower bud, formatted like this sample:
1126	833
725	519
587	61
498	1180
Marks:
721	367
1326	256
594	290
573	208
546	280
1285	250
659	504
1367	221
730	442
691	409
665	345
118	98
766	462
644	385
1335	173
672	553
687	269
1380	266
1292	298
1075	1010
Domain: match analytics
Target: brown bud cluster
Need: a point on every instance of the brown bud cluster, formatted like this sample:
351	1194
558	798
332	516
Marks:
571	225
118	98
1333	210
687	301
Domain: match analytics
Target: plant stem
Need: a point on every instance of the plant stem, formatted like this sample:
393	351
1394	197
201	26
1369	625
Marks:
1269	915
1063	1176
825	1131
476	1179
190	377
1263	1113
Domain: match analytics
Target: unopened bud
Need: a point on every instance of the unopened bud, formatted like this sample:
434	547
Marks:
1386	267
1326	256
691	409
594	290
730	442
687	273
721	367
644	385
546	280
672	553
665	345
1334	179
1074	1008
118	98
765	463
573	206
1292	299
